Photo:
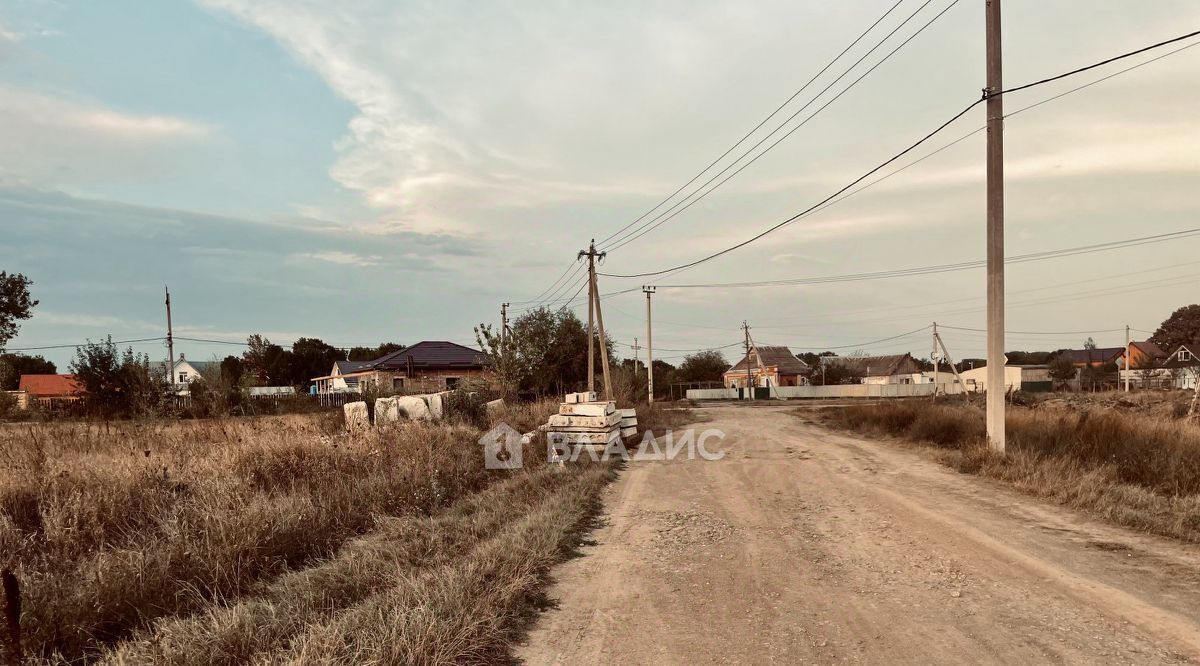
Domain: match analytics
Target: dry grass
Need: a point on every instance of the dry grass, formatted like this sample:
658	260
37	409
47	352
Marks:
1137	470
222	541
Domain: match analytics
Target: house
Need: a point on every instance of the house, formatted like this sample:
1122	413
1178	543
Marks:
1184	366
432	365
1031	378
183	371
1146	369
892	369
342	378
769	366
1082	358
50	389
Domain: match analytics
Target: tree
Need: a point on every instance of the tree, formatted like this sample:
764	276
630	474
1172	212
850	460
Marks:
704	366
118	383
232	369
266	361
1181	328
1061	369
15	304
545	352
1089	343
12	366
310	358
372	353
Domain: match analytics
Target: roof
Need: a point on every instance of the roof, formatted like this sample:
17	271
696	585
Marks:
160	367
430	354
346	367
1149	348
50	385
780	357
1101	355
1174	362
872	366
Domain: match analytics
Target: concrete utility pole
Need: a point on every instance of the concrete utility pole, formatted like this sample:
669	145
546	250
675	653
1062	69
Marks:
649	348
995	230
637	357
1127	358
749	380
594	304
934	354
170	341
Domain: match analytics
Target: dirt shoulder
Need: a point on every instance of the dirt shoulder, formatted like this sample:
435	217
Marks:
805	545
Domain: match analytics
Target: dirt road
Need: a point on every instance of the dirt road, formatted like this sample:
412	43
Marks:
808	546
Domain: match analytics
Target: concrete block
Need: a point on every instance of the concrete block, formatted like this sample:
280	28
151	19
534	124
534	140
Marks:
356	416
587	409
587	437
386	411
413	407
495	408
437	404
626	433
629	422
602	422
626	413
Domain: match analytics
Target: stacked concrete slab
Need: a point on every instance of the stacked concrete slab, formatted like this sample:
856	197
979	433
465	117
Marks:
584	419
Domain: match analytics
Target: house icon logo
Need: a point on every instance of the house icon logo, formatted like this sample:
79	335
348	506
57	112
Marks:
501	447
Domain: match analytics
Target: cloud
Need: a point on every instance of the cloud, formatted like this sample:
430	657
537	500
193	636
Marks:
343	258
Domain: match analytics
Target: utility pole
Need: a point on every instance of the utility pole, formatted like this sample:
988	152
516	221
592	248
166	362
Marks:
170	341
637	357
503	327
934	354
649	348
594	304
1127	358
749	380
995	230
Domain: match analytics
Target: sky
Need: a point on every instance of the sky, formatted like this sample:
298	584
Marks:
371	171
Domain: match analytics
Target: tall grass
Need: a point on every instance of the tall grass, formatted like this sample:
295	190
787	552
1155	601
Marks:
110	527
1139	470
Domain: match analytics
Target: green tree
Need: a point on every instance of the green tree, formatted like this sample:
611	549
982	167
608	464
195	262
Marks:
1181	328
21	364
116	383
310	358
15	304
545	352
232	370
266	361
372	353
704	366
1061	369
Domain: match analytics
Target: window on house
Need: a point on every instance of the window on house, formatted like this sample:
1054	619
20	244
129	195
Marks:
183	377
397	383
451	383
1185	355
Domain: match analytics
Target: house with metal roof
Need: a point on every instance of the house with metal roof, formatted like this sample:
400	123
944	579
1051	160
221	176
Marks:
768	366
890	369
49	389
428	366
1184	366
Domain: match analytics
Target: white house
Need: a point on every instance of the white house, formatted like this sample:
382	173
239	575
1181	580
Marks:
1016	378
1184	365
183	371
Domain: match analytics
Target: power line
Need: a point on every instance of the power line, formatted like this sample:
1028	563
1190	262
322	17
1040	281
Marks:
651	227
757	127
899	155
81	344
866	344
945	268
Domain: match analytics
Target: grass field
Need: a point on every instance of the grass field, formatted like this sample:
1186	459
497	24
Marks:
1136	467
280	539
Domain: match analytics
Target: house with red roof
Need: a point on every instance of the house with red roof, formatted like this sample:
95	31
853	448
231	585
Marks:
45	389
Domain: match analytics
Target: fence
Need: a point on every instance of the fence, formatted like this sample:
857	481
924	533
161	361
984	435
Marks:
834	391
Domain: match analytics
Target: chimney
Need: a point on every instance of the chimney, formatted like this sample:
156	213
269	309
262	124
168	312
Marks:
181	358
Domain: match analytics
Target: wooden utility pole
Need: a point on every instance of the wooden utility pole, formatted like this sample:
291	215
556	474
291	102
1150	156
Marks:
594	305
170	341
995	230
503	328
1127	358
649	348
749	380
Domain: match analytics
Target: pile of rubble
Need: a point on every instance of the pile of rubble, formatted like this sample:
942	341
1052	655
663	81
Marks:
583	419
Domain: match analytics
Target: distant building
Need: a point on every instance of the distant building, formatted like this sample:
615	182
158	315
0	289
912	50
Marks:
49	389
1184	366
1082	358
769	366
1146	366
1031	378
182	372
432	365
892	369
